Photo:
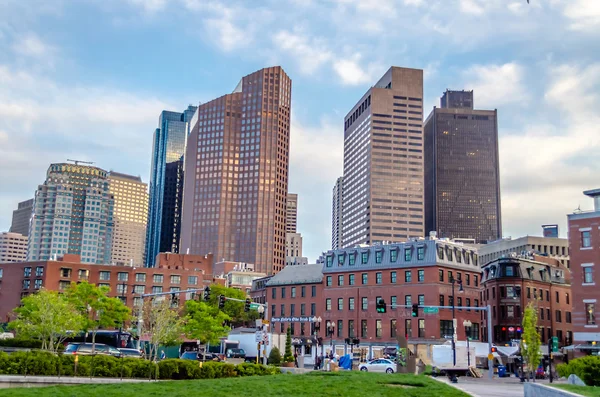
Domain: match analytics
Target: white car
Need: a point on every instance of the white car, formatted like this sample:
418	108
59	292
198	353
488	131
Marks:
379	365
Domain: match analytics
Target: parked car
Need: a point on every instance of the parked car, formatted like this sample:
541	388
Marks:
189	355
131	353
85	349
378	365
235	353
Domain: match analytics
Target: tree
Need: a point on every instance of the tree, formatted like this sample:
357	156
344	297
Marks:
235	310
205	322
162	323
530	346
96	307
48	316
275	356
288	357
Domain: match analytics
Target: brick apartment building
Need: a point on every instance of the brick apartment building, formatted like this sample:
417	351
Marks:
584	247
414	272
510	283
173	272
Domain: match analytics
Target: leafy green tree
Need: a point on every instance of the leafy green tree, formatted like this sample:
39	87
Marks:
205	322
98	309
275	356
162	323
288	357
48	316
235	310
530	346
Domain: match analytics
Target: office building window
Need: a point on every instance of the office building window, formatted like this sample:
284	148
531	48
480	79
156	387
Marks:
408	300
441	275
407	254
441	300
446	329
378	256
365	279
363	328
378	278
313	309
568	317
303	291
340	279
293	292
140	277
157	290
292	309
558	316
313	291
351	329
192	280
393	301
393	330
175	279
351	279
393	277
340	304
588	276
393	255
350	303
378	330
408	328
122	276
351	259
364	303
104	276
586	239
303	309
407	276
328	281
283	308
282	292
364	257
421	328
39	271
421	300
421	275
158	278
328	304
273	293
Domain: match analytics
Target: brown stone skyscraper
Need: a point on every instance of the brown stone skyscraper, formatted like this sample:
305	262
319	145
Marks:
462	177
383	161
236	173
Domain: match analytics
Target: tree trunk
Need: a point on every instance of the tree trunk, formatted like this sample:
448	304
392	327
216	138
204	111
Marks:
93	342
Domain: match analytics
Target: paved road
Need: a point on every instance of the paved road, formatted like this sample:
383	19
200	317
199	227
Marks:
497	387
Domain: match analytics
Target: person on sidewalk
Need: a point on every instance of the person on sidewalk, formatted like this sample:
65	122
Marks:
296	359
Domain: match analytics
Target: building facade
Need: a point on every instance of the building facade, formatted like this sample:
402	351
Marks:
166	183
13	247
415	272
584	247
130	218
291	213
73	214
509	284
383	162
553	247
21	217
125	282
462	188
336	214
236	173
293	250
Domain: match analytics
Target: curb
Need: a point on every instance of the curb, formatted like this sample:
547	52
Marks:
456	386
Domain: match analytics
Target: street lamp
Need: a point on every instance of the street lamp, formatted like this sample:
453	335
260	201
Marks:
460	289
317	328
261	311
468	325
330	331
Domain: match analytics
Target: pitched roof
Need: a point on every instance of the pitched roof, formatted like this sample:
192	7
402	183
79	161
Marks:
298	274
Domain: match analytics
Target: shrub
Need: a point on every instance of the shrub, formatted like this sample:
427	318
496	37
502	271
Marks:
288	357
274	356
587	368
248	369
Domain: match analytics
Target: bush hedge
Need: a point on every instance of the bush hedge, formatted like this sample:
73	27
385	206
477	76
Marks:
587	368
24	343
44	363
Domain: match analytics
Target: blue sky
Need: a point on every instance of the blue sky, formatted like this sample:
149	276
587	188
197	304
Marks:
88	80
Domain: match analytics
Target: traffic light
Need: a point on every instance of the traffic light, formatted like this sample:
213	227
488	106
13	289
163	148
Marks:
221	301
247	304
494	350
207	293
415	310
174	298
381	307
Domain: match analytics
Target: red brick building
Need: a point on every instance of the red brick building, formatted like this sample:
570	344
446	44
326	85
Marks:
510	283
415	272
172	273
584	245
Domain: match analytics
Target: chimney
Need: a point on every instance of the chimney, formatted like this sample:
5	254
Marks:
595	194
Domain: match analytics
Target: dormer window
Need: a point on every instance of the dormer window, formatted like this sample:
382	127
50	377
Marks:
329	260
449	254
407	255
393	255
378	256
364	258
440	252
420	253
352	258
467	257
458	256
509	271
340	259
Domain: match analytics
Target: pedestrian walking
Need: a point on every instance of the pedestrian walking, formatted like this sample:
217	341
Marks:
296	359
162	355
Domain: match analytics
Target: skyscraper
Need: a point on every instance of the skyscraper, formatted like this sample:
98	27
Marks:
73	214
13	247
336	214
130	218
21	217
291	213
462	188
236	173
166	183
383	161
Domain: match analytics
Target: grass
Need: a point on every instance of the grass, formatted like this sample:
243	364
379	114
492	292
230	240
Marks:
588	391
346	384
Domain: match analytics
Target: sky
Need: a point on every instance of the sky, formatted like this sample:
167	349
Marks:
88	79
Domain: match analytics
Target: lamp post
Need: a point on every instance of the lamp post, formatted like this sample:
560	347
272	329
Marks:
330	331
460	289
261	314
468	325
317	328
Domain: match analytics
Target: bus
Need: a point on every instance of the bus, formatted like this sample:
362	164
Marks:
115	338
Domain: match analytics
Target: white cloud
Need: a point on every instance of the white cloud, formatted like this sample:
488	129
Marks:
496	85
31	45
584	15
471	7
351	73
309	53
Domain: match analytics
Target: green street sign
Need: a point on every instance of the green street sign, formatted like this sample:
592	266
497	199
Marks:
554	344
254	306
431	310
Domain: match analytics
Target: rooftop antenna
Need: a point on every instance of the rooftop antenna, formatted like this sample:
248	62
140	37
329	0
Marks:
77	162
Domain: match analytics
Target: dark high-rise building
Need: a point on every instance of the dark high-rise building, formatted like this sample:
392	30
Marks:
462	179
21	217
236	173
383	162
166	183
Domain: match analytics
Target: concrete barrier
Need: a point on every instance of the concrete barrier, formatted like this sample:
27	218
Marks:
538	390
7	381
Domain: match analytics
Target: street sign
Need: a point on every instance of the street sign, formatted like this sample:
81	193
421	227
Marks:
431	310
254	306
554	344
258	336
490	356
266	322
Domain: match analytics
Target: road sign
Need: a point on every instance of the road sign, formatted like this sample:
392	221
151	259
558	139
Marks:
254	306
258	336
490	356
266	322
431	310
554	344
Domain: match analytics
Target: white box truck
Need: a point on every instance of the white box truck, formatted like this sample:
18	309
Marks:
443	359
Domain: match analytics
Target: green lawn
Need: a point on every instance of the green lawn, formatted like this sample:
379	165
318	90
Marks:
346	384
588	391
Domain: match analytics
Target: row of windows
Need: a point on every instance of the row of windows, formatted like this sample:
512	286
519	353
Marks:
313	292
121	276
364	256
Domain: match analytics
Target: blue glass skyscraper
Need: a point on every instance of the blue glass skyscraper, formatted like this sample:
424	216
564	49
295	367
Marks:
166	183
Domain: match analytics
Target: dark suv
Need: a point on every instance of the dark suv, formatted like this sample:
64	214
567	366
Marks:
236	353
85	349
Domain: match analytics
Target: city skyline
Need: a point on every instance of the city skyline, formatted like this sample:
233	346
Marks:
544	93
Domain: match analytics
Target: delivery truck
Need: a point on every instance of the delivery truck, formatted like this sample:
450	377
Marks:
443	360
